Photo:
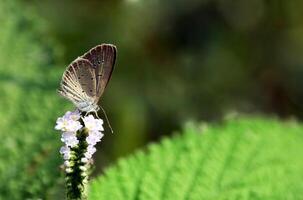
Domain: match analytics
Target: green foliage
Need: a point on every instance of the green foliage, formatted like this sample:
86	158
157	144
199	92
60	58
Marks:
250	158
29	158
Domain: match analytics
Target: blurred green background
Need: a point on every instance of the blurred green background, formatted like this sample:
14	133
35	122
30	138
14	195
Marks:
177	61
182	60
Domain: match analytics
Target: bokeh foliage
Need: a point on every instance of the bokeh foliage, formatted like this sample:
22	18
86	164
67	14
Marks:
186	59
247	158
29	159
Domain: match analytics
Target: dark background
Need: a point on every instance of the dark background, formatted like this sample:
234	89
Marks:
184	60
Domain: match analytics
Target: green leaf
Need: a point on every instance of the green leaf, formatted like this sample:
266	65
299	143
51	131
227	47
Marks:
250	158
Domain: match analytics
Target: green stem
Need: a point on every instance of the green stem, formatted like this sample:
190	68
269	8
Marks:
76	175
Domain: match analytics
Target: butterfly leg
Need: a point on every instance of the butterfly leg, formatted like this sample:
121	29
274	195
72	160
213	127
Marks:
97	115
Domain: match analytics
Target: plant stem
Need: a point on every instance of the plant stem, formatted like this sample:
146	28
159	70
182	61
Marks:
76	173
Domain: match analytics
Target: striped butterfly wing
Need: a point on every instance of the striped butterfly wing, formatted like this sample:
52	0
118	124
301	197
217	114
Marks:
103	59
78	82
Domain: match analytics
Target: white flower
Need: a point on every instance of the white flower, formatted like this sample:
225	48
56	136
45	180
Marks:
65	151
66	163
61	123
73	126
88	155
90	151
67	124
83	168
68	170
84	174
73	115
94	137
93	124
70	139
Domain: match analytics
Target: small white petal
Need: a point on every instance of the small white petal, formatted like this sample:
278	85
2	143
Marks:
65	151
84	174
59	123
75	115
72	126
68	170
70	139
88	155
93	124
85	181
69	122
66	163
94	137
84	160
91	149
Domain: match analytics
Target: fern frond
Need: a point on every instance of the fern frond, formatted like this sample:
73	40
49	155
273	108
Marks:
249	158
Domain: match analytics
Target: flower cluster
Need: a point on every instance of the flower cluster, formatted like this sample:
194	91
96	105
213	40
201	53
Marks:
69	124
94	127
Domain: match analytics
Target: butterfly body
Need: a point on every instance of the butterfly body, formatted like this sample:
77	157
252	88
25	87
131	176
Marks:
86	78
87	106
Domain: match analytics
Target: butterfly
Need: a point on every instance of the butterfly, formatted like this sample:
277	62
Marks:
86	78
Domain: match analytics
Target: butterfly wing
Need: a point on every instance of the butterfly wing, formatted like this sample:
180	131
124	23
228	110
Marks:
78	82
103	59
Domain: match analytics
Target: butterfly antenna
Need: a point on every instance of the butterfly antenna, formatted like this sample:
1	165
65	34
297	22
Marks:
107	119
